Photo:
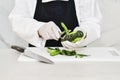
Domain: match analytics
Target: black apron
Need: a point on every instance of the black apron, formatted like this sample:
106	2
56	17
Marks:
56	11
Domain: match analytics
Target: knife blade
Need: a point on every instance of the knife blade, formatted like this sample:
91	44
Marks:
37	57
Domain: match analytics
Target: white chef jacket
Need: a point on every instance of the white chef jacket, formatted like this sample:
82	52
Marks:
23	23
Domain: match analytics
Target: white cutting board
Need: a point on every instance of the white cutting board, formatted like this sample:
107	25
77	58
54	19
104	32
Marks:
96	54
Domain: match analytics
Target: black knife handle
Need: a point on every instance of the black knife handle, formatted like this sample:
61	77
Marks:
18	48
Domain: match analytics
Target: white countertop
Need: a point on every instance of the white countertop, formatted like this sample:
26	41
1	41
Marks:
11	69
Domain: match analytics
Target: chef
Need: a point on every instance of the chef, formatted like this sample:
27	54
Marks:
38	21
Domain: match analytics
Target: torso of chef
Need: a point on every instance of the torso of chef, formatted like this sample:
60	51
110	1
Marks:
29	16
56	11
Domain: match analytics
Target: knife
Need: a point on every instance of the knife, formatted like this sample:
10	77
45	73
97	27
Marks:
28	54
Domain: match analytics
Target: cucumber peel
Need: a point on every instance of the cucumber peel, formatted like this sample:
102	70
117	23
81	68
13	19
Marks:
57	51
53	52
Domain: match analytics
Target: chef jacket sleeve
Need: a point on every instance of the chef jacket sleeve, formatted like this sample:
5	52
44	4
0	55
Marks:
23	23
89	17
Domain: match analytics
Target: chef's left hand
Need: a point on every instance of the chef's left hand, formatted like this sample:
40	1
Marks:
71	45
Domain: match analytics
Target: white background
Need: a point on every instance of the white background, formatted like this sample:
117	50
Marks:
110	24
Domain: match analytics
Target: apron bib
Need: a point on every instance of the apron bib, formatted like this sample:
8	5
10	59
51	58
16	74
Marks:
56	11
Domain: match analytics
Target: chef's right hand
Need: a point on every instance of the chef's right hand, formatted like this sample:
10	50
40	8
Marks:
49	31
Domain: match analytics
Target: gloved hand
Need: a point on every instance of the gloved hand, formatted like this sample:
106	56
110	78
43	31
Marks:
50	31
71	45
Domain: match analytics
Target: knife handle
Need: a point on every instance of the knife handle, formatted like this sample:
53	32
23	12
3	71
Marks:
18	48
